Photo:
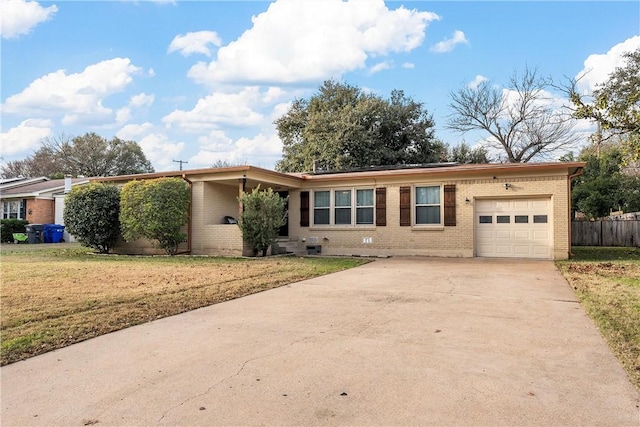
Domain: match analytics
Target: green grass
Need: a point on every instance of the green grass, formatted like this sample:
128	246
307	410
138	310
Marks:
56	295
607	283
595	253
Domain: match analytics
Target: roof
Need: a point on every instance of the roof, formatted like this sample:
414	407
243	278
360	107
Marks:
381	171
36	189
5	184
452	170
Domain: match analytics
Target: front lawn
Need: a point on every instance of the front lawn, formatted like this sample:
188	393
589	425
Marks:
607	283
53	297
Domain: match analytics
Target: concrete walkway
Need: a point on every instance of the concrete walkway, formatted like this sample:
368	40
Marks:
401	341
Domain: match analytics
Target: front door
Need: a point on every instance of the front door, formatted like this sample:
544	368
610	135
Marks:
284	230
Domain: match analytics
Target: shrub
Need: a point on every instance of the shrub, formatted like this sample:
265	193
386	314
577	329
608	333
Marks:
263	215
91	215
155	209
10	226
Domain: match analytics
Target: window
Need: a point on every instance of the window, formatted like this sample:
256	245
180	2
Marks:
521	219
539	219
364	206
502	219
321	207
486	219
14	209
427	205
340	207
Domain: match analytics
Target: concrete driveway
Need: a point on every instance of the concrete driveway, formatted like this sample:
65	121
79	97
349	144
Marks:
400	341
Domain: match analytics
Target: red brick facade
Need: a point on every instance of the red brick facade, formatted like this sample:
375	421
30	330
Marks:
40	211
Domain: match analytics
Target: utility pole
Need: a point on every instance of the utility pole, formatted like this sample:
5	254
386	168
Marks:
181	162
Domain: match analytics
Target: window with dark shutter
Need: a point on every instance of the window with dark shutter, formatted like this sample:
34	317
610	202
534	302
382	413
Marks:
450	205
381	206
304	209
405	206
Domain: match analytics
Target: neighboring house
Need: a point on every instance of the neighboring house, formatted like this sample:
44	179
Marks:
37	200
475	210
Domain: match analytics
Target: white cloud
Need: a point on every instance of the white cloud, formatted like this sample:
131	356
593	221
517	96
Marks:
160	150
123	115
273	94
133	131
447	45
264	149
597	67
19	17
384	65
195	42
232	109
409	65
25	137
157	147
296	41
279	110
476	81
77	96
141	100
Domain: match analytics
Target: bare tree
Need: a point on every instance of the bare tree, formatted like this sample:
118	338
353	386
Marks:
88	155
520	119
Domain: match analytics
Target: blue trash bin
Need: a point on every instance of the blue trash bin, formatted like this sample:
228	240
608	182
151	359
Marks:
57	233
47	230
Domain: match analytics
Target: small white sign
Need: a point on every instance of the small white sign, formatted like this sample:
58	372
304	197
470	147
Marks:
367	240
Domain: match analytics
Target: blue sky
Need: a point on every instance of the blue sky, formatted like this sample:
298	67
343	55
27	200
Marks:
203	81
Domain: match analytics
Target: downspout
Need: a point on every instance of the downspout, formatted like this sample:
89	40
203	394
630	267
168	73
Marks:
569	179
189	221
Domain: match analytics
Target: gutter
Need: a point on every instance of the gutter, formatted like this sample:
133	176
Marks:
569	179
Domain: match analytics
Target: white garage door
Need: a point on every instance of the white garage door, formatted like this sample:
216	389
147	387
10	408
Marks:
516	228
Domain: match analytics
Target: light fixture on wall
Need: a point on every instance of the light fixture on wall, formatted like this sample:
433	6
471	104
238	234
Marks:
506	185
466	200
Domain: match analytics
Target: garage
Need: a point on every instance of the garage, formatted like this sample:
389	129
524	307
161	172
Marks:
513	228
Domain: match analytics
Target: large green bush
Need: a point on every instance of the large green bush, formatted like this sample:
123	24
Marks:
263	215
10	226
91	215
155	209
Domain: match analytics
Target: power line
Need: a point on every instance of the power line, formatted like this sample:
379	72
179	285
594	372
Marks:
181	162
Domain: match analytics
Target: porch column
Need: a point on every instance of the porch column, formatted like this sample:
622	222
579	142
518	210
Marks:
242	183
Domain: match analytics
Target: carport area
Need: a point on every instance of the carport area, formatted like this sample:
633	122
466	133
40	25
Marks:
399	341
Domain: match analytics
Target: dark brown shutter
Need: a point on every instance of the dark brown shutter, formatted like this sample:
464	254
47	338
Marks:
405	206
304	209
381	206
450	205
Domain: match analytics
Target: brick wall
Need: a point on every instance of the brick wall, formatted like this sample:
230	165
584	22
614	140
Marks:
40	211
456	241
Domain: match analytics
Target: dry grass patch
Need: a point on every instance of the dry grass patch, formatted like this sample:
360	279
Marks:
607	283
50	299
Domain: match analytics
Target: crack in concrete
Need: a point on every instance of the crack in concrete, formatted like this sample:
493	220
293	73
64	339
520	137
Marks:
368	323
244	364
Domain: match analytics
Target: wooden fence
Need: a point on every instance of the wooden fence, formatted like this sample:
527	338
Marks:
605	233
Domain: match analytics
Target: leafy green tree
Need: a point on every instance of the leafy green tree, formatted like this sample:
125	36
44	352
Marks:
155	209
87	155
91	215
342	127
518	121
263	215
615	106
464	154
604	187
